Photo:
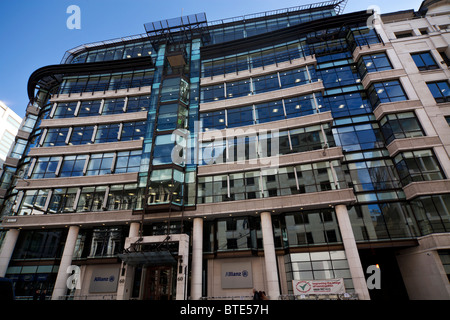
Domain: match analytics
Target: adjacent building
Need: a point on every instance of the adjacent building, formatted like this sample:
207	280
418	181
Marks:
9	126
296	151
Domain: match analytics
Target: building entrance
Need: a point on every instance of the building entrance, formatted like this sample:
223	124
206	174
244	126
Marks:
159	283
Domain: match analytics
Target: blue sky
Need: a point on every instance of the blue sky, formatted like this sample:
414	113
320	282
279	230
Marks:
34	34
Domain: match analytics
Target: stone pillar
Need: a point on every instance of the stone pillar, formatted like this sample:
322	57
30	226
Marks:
66	260
197	259
351	252
126	273
270	258
7	249
134	229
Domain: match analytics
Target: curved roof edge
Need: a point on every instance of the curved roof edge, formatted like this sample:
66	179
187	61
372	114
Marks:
50	76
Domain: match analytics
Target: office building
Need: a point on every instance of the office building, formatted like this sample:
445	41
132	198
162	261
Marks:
303	152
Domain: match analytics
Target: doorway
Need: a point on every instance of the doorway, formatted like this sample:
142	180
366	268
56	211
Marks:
392	286
159	283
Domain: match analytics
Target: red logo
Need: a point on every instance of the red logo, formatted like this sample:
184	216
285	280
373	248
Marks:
303	286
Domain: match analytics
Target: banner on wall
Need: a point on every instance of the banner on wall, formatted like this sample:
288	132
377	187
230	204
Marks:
236	275
329	286
104	279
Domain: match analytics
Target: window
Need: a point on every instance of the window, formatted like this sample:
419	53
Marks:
107	133
313	227
65	110
106	242
170	89
300	106
55	137
63	200
128	161
100	164
444	57
400	126
167	117
239	88
338	77
139	103
163	149
306	139
133	131
212	93
294	77
389	91
91	199
81	135
113	106
45	167
440	91
269	111
432	213
33	202
122	197
73	166
89	108
213	120
373	175
419	165
347	104
424	61
373	63
403	34
358	137
265	83
238	117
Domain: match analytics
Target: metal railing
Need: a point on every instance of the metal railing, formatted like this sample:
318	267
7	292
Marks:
341	296
89	297
227	298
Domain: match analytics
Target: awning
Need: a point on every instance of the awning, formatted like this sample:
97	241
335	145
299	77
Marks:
148	258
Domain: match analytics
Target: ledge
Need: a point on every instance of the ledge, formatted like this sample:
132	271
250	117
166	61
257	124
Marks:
421	188
416	143
85	121
263	97
260	71
66	219
32	110
385	75
373	48
304	201
84	181
272	162
87	149
107	94
11	162
292	123
21	134
395	107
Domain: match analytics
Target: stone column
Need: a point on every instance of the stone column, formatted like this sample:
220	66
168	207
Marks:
270	258
126	273
134	229
7	249
197	259
351	252
66	261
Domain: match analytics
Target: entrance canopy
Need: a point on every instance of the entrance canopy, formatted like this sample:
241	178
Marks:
148	258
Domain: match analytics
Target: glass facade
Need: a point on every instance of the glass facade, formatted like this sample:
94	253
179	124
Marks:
144	130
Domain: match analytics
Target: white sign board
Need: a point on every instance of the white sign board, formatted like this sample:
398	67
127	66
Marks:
329	286
237	275
104	279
